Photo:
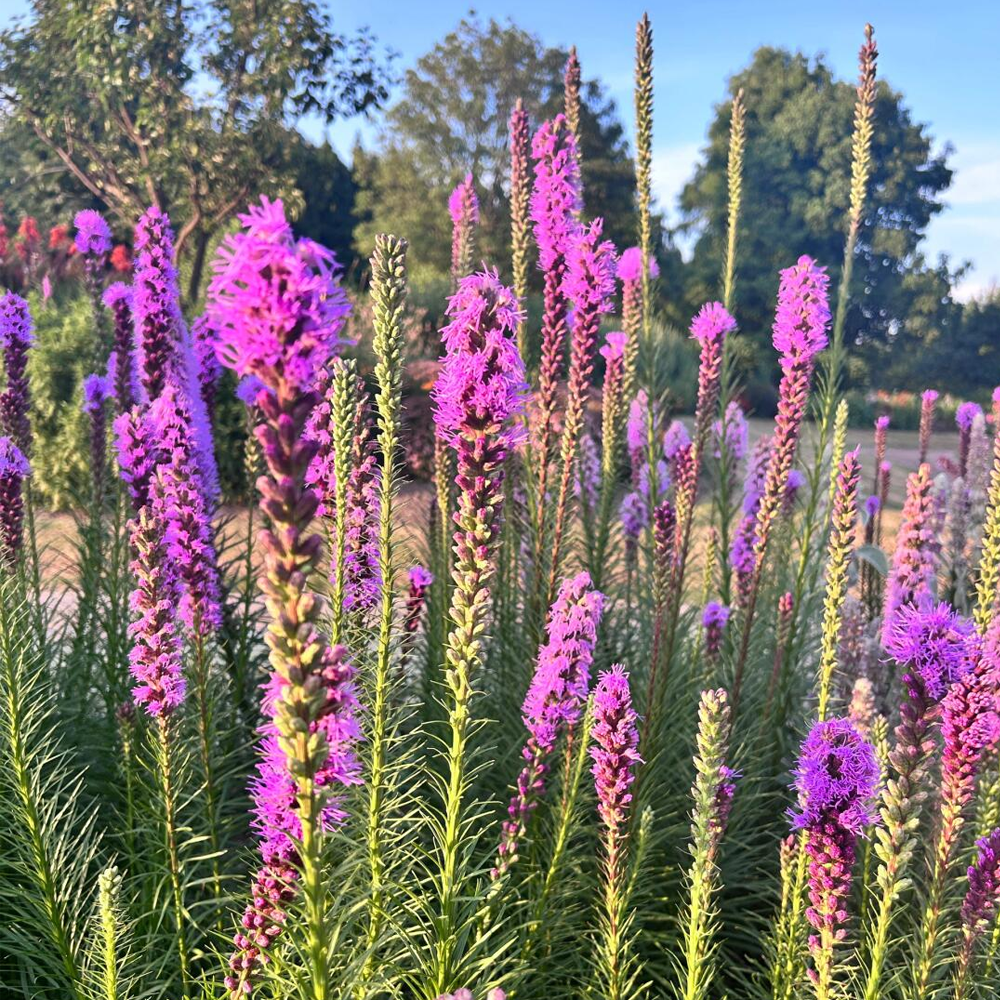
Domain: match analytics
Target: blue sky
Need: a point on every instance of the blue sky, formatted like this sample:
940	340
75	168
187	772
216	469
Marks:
941	55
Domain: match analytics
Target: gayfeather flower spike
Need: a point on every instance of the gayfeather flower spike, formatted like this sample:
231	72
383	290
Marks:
97	391
970	726
644	166
279	313
612	420
555	204
836	779
554	702
615	754
714	619
631	276
590	283
913	572
714	786
155	300
156	664
979	908
988	577
928	400
420	579
93	243
734	178
800	324
936	648
520	207
965	417
841	545
118	298
14	469
709	328
463	207
478	397
571	92
16	336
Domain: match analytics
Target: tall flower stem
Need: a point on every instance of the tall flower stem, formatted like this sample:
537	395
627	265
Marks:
165	752
644	160
734	182
520	218
478	397
388	293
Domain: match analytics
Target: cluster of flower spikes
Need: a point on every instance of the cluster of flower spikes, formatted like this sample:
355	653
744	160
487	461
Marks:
555	699
278	314
836	778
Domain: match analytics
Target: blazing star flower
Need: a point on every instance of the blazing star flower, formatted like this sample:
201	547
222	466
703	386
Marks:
481	383
734	430
155	656
463	207
555	200
966	414
713	620
16	336
630	266
421	579
982	898
675	437
274	301
554	701
913	572
937	644
836	778
615	752
248	390
588	475
710	327
872	506
635	429
14	469
93	235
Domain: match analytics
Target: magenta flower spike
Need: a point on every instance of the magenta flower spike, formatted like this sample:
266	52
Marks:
714	619
118	299
979	908
965	416
554	702
278	314
155	301
837	778
928	400
421	579
555	205
93	235
14	469
209	368
16	336
97	390
155	656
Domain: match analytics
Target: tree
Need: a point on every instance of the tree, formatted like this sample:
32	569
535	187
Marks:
795	196
452	118
180	104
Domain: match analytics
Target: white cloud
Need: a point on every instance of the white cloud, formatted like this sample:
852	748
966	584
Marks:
977	174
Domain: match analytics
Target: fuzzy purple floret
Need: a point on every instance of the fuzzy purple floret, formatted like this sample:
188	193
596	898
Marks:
836	777
481	383
630	265
937	644
93	235
803	312
274	302
97	390
555	200
982	897
615	753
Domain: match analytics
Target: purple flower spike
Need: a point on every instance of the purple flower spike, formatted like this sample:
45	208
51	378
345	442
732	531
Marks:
14	469
481	383
615	753
803	313
555	200
155	300
97	390
714	619
16	336
274	302
554	701
630	266
938	645
93	235
983	894
837	778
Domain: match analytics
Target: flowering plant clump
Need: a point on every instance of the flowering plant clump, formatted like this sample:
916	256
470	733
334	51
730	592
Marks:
527	731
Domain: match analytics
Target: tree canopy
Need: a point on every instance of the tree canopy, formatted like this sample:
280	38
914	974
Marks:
180	104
